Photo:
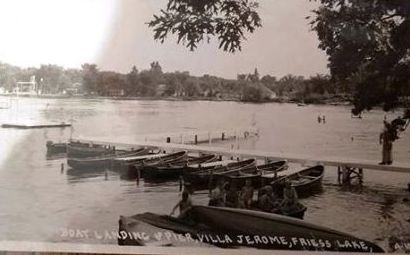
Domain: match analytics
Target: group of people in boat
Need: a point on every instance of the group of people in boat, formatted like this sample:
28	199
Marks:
226	194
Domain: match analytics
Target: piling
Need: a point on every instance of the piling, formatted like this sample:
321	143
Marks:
223	136
168	139
339	173
181	181
62	167
138	176
196	139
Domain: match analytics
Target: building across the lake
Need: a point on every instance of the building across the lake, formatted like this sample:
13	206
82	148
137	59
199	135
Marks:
26	87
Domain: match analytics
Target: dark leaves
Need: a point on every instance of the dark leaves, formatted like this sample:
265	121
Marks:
193	21
367	43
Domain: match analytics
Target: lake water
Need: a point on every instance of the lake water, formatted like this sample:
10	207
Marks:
38	201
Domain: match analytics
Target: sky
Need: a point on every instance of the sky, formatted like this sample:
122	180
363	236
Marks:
114	35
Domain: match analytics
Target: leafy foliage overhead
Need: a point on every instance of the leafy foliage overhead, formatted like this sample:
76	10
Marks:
368	44
194	21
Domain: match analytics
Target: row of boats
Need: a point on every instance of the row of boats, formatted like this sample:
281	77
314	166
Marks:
198	171
208	225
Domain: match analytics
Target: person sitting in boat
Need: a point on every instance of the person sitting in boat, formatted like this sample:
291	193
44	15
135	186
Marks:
268	202
247	194
217	195
290	198
232	196
184	205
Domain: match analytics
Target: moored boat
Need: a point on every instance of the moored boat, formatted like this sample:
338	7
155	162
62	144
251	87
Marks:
175	169
103	161
56	148
81	150
137	168
232	228
259	175
306	181
199	177
164	159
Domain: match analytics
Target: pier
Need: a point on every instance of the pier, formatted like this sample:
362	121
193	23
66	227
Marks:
201	137
28	125
348	169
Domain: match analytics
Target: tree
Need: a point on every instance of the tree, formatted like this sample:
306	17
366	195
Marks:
196	20
320	84
269	81
90	76
367	42
289	84
51	78
132	83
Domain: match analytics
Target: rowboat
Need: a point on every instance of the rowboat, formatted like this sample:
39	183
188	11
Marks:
80	150
258	175
175	169
56	148
196	176
164	159
232	228
137	168
102	161
305	181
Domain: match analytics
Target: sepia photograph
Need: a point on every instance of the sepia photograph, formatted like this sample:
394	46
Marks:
204	126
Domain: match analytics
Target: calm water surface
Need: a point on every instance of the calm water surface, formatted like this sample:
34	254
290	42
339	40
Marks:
38	200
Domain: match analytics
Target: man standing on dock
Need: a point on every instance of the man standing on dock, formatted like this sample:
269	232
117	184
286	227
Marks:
390	133
386	139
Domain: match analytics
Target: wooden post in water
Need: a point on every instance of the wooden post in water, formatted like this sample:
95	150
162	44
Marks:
168	139
360	176
62	167
223	136
209	138
196	139
339	173
181	182
138	176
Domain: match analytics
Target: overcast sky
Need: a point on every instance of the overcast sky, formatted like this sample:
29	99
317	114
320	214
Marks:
113	34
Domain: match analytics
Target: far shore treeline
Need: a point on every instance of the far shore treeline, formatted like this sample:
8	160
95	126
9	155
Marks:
155	83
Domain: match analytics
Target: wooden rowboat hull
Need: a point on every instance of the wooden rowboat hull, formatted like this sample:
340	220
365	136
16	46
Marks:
202	178
227	227
172	170
258	174
102	161
306	181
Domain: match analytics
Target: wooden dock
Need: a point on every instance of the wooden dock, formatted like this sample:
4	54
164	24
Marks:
28	125
263	155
